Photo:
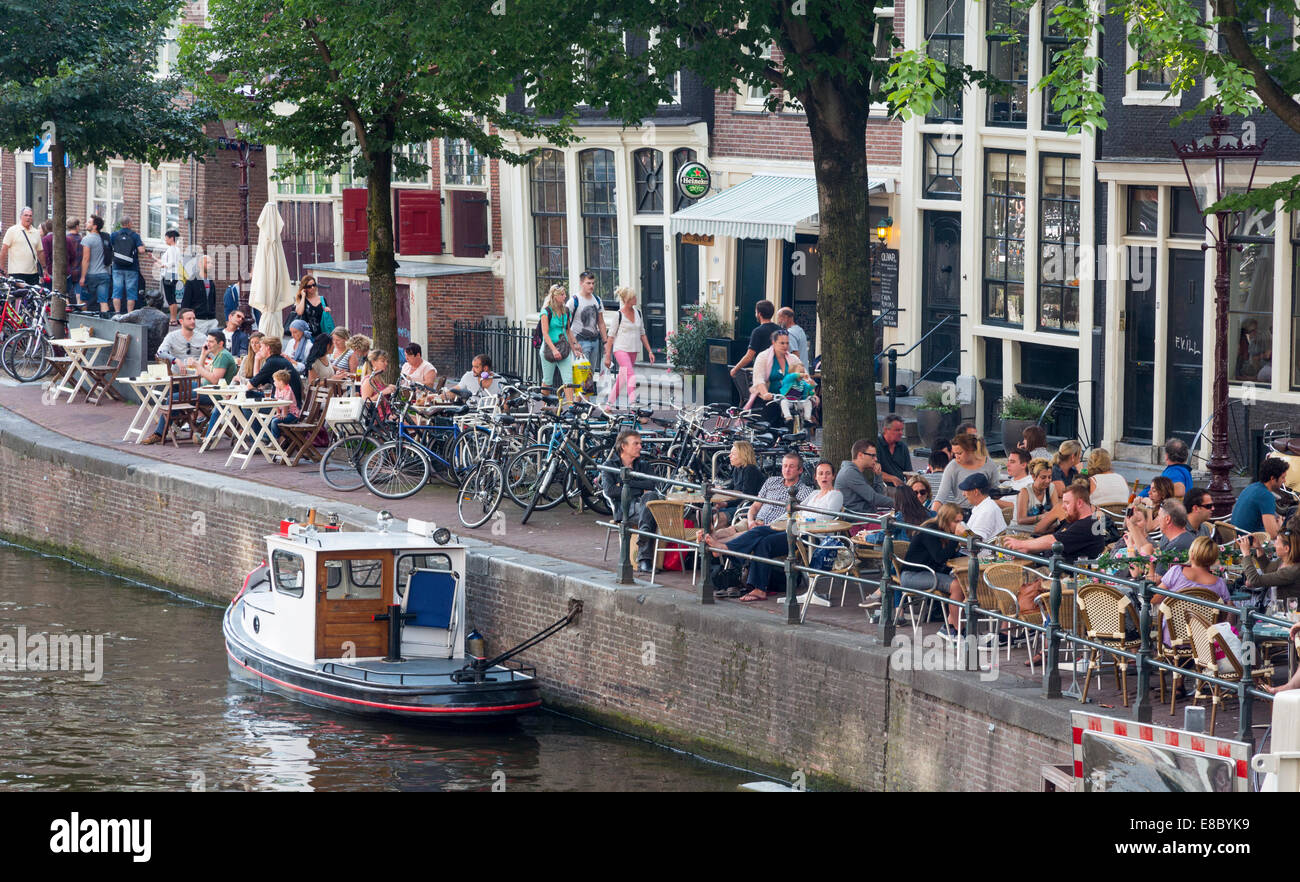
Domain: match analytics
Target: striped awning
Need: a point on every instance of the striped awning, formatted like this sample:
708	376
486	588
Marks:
762	207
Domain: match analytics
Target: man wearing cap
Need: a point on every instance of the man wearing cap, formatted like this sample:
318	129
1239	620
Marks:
985	520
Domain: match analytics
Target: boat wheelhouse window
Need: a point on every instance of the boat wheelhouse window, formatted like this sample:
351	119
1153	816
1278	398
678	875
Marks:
288	570
408	562
359	579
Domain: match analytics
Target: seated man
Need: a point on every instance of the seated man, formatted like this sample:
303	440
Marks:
760	539
1082	536
478	380
1200	508
1176	470
986	519
1256	507
1171	521
627	454
184	343
236	338
860	482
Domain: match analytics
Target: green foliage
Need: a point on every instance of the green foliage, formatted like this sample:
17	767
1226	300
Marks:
935	399
686	346
1017	407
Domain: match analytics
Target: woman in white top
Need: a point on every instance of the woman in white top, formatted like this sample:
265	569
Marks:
628	335
1036	501
1107	487
170	267
826	498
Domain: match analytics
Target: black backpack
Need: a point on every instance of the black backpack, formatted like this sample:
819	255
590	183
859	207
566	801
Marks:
123	250
107	251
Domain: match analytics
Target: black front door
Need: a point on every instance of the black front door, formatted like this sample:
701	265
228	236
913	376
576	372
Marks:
653	307
688	274
1138	321
1185	308
941	296
751	286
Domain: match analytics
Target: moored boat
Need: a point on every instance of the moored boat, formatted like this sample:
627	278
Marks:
369	623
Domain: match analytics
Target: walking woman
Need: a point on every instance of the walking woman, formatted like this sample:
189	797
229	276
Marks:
629	336
558	343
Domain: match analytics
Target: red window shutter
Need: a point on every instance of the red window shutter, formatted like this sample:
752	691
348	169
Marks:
356	230
469	223
419	221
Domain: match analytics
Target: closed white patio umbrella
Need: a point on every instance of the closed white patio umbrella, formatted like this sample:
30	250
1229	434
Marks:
270	289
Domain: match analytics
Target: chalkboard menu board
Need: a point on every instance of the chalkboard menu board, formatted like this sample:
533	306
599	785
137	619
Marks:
884	285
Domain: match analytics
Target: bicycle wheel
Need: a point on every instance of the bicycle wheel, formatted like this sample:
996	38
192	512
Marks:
396	470
524	473
480	495
340	465
469	448
25	356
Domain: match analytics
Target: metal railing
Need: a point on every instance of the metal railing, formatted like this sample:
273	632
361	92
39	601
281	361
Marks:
892	353
1054	636
509	344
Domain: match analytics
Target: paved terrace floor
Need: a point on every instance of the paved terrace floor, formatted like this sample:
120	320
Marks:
561	533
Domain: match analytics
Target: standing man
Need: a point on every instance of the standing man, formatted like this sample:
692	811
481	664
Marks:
798	337
589	320
96	265
200	293
895	458
760	338
127	249
20	253
72	255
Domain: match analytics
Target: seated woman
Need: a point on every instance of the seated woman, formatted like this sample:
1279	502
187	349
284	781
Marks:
373	386
933	552
746	477
1283	571
1035	441
1161	489
251	365
299	345
340	356
1036	504
1065	466
1196	573
318	361
358	349
921	490
1106	487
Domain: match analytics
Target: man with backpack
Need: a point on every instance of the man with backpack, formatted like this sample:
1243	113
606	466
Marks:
127	247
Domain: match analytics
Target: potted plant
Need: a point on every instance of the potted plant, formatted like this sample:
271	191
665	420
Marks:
1018	413
937	415
687	349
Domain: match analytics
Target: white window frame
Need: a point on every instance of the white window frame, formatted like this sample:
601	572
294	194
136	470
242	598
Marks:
675	86
110	218
146	189
424	184
748	96
1133	96
880	110
168	50
442	169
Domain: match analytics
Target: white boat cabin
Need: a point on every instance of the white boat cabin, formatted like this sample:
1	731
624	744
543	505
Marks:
325	588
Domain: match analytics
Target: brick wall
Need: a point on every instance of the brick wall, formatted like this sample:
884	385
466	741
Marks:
722	681
450	298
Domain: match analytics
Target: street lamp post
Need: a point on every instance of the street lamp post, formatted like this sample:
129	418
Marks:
244	163
1219	165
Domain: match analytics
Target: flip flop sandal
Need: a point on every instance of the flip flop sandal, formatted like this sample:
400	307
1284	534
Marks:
754	596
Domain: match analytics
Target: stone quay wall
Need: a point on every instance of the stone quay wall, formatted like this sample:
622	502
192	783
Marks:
809	704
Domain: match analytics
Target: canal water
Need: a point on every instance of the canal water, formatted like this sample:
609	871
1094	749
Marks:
152	707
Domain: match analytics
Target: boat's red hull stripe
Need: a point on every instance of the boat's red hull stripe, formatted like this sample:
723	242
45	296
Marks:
378	704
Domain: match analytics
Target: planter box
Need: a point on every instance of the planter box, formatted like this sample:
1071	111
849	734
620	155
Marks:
935	425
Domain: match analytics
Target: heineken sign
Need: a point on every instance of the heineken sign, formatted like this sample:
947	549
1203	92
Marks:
693	180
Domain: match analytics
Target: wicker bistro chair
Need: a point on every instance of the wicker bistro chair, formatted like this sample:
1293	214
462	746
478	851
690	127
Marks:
999	589
670	520
1172	613
1224	532
1106	615
1203	643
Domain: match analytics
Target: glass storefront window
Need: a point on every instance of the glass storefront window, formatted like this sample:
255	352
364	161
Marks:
1250	314
1058	275
1004	237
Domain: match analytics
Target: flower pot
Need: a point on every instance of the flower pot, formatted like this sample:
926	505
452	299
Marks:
1013	432
936	425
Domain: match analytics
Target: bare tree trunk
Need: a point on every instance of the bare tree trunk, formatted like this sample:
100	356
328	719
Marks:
838	124
58	253
381	265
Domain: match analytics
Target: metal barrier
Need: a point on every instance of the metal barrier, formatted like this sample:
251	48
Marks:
1054	637
509	344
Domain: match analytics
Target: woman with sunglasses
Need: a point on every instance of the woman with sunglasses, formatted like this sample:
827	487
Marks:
1283	572
310	305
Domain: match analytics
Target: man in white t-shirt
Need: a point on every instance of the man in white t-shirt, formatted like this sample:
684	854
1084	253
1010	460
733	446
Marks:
986	520
1018	476
478	380
589	320
416	369
21	255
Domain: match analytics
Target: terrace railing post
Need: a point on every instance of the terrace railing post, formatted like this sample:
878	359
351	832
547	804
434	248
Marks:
791	574
706	589
1051	665
1245	730
887	589
1142	700
892	392
969	643
626	574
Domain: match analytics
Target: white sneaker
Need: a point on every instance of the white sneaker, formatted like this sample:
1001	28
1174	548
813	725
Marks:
817	599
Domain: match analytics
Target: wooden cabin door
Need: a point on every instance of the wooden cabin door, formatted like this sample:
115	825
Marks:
351	588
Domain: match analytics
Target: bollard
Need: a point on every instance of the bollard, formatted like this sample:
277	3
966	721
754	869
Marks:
968	644
1142	700
892	355
1051	667
706	584
626	572
791	574
1194	720
886	589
